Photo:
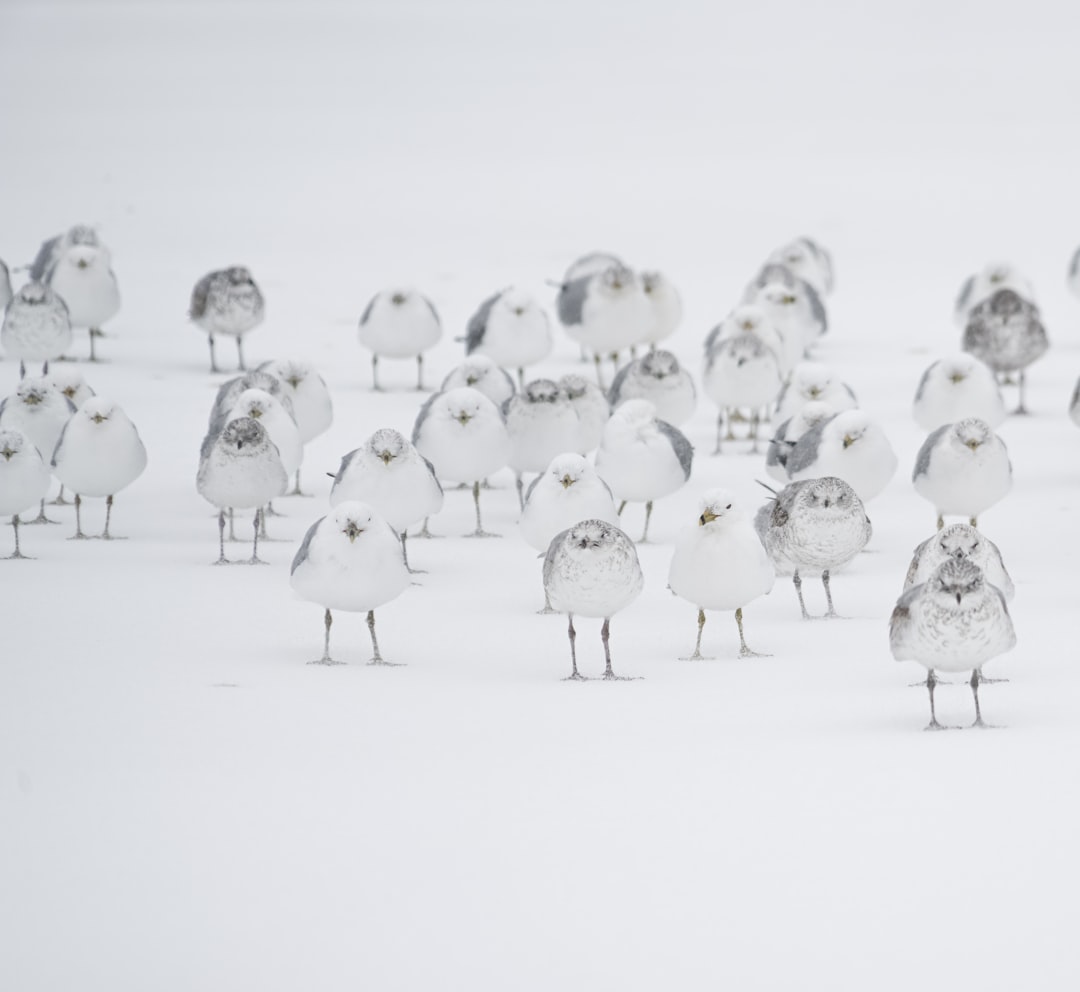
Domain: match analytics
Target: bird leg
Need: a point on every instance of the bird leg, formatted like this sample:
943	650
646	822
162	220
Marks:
983	680
424	532
519	482
697	655
59	501
18	553
106	536
830	613
375	373
622	506
95	333
599	372
420	373
326	659
41	518
271	512
648	514
79	535
755	420
521	377
744	651
22	370
213	357
1021	407
405	557
931	683
797	580
719	432
295	491
976	678
575	675
240	353
232	521
378	658
222	560
479	532
547	605
733	415
260	524
609	675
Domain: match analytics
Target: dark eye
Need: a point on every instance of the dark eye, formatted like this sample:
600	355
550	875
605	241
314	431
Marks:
728	507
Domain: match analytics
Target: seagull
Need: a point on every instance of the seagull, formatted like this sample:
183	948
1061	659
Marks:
482	374
785	436
641	458
720	564
99	452
240	468
960	542
792	314
956	387
850	446
541	424
748	319
954	622
592	570
278	421
591	405
963	469
312	406
741	373
605	312
393	478
76	265
399	323
813	527
463	434
981	285
512	329
24	479
351	560
813	381
567	491
665	307
658	378
227	301
230	392
36	326
1005	332
40	412
804	260
824	261
807	302
71	382
591	264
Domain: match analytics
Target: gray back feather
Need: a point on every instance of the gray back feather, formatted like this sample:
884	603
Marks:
570	303
552	551
434	312
916	560
779	447
617	383
42	266
817	306
1074	265
923	381
431	469
683	449
367	310
964	297
199	295
346	461
922	460
477	327
805	452
423	415
302	554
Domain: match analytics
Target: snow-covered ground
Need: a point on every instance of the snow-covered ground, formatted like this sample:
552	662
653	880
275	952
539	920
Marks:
184	804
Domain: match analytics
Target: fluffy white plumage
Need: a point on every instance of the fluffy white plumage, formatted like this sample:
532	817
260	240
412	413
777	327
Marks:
24	478
642	458
352	560
541	424
511	328
227	301
791	314
719	563
658	378
959	541
748	318
592	407
956	387
664	307
80	273
481	373
36	326
312	406
981	285
279	424
605	312
39	410
963	469
806	263
240	466
568	491
742	373
813	382
71	382
850	446
399	323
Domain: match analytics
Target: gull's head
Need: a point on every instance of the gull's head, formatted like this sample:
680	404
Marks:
398	297
954	581
568	469
542	391
243	434
11	444
1007	303
959	541
33	294
517	301
575	386
660	364
616	280
32	392
972	433
828	493
97	409
813	413
811	380
591	535
463	405
956	368
238	275
255	403
352	518
748	319
654	283
386	444
635	414
715	505
849	427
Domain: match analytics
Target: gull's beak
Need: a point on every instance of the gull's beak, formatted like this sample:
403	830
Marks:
956	378
386	457
747	325
972	444
471	380
814	392
788	299
397	299
294	381
463	418
98	418
566	481
7	453
82	263
707	517
352	532
518	311
256	414
958	599
849	440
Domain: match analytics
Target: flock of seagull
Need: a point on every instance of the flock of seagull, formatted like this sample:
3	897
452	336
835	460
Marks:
590	447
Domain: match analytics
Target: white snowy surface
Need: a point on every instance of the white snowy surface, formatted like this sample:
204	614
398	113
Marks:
186	805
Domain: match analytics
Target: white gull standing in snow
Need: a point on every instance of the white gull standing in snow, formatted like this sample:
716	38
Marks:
36	326
664	307
392	477
99	453
351	560
719	564
24	479
742	373
658	378
227	301
813	381
312	407
463	434
592	570
959	541
956	387
541	424
512	329
962	469
850	446
399	323
641	458
240	468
